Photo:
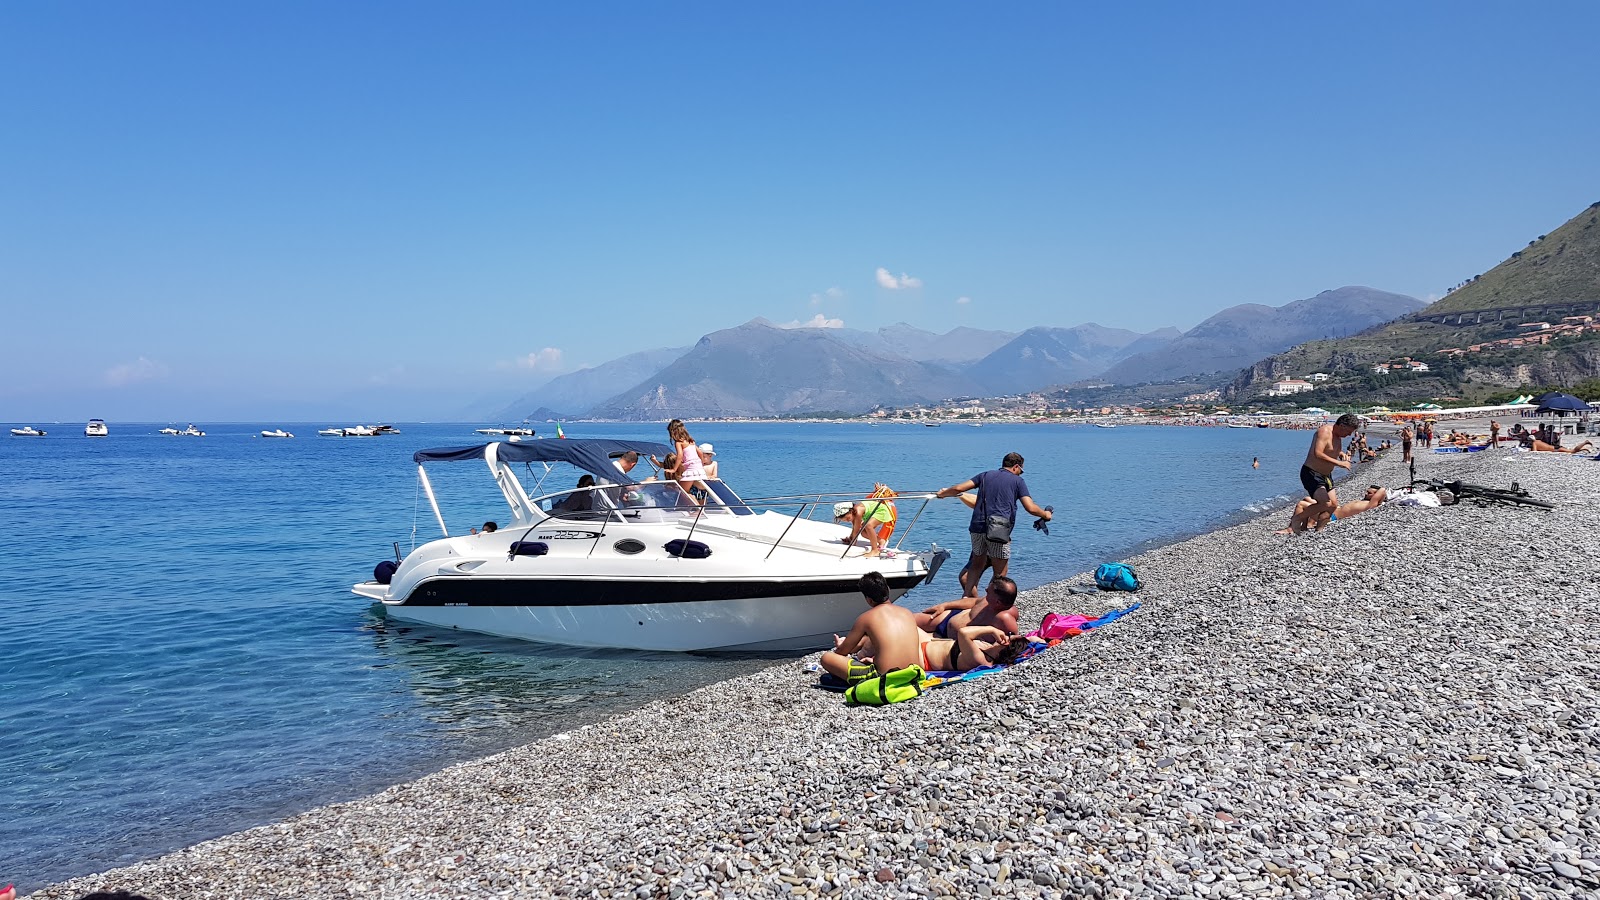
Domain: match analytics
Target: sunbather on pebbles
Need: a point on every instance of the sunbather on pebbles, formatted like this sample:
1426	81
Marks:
997	607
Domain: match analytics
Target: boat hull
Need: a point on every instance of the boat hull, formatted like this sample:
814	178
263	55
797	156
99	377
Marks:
771	616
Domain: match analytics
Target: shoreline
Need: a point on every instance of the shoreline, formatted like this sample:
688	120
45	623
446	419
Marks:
1374	709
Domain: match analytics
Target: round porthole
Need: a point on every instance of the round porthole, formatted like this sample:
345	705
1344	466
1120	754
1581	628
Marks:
628	546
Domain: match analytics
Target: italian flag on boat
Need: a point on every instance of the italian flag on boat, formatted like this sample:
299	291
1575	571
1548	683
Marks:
559	433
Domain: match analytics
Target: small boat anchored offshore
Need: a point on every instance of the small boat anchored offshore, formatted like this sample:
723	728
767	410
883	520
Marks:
351	431
96	428
277	433
27	431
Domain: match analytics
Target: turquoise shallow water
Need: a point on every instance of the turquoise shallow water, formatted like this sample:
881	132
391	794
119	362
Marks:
180	656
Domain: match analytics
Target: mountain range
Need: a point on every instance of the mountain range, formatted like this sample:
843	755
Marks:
761	369
1240	335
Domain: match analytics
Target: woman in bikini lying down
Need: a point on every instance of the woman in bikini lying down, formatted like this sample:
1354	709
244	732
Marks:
974	647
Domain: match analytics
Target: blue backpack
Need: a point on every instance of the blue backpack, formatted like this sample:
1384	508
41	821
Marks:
1116	577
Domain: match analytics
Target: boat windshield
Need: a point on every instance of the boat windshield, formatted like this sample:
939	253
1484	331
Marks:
630	500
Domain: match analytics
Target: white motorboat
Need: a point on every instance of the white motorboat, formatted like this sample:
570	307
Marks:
27	431
96	428
1104	425
509	432
639	565
352	431
169	430
277	433
192	431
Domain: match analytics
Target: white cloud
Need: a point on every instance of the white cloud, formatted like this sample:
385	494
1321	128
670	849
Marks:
887	281
963	301
545	360
817	321
833	293
141	369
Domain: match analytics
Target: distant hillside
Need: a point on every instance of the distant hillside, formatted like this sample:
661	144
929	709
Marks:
574	393
757	369
1240	335
1041	357
1563	267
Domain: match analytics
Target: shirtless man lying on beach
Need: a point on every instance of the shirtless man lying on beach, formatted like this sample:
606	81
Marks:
1372	499
997	607
1547	448
1316	475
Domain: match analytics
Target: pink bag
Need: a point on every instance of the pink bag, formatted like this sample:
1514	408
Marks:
1057	626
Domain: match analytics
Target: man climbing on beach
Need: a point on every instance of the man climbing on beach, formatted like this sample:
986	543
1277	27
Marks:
887	631
1316	475
994	514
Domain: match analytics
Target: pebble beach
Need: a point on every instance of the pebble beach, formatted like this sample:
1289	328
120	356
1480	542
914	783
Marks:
1406	704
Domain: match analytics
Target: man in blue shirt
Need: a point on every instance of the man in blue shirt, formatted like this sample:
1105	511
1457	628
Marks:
999	492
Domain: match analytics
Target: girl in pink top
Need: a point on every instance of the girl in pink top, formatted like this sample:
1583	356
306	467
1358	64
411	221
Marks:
691	470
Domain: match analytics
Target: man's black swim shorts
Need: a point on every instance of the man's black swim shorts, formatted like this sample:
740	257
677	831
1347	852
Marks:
1312	479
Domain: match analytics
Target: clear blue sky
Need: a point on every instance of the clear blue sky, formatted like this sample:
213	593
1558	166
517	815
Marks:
405	210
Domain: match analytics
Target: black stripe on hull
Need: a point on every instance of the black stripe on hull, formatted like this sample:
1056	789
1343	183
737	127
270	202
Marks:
478	591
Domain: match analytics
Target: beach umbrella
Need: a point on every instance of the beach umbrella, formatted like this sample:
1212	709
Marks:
1559	402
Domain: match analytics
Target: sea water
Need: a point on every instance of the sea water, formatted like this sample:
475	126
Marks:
180	655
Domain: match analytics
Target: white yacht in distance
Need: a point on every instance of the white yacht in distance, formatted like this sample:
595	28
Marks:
641	565
352	431
169	430
192	431
277	432
96	428
27	431
509	432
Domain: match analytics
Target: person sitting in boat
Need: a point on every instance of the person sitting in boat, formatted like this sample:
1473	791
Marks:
578	500
996	608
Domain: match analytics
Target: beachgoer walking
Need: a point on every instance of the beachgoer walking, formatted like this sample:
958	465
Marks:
994	514
1405	443
1316	475
1494	434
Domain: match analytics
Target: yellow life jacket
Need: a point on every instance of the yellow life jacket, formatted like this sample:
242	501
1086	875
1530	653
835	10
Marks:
890	687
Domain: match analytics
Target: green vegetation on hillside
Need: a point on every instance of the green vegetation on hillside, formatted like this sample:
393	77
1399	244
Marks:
1561	265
